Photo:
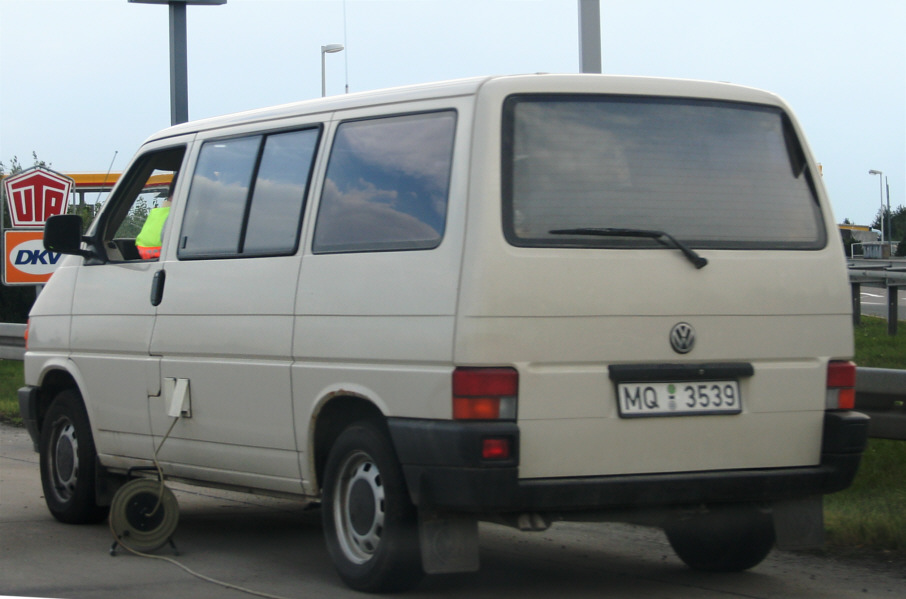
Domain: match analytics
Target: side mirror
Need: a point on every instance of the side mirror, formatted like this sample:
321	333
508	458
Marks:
63	234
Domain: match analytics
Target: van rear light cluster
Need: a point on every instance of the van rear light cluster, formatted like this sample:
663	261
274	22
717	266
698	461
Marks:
841	385
485	393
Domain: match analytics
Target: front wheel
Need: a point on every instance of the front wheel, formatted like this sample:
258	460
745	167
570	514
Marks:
68	458
370	525
729	539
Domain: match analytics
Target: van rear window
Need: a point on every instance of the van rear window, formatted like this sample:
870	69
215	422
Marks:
712	174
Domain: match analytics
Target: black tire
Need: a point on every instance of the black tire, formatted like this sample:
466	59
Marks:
729	539
68	461
370	524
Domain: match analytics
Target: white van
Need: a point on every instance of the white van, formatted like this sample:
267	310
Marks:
522	299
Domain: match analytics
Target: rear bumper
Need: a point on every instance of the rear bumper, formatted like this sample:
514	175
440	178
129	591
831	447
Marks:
443	469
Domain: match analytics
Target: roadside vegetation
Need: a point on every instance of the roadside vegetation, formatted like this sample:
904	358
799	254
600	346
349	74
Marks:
869	515
872	512
11	378
875	348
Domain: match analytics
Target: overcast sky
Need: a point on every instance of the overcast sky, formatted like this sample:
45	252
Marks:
82	82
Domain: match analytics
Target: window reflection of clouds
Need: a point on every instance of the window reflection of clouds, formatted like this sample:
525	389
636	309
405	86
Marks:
216	203
274	217
220	195
214	216
386	185
279	193
366	218
406	145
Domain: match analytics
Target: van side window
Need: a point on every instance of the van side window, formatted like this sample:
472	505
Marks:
248	195
386	185
144	190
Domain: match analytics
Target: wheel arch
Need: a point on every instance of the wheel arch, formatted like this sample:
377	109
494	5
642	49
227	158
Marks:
332	417
54	379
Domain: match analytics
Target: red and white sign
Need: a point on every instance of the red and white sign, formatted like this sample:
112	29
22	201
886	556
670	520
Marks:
35	195
27	262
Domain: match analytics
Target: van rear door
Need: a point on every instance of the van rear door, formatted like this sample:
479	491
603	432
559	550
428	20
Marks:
667	287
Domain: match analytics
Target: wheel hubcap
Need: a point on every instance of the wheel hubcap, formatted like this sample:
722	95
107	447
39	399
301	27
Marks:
359	510
65	456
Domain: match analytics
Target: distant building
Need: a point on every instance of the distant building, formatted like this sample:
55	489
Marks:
865	236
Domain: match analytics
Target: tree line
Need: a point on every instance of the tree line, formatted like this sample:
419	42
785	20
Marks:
897	220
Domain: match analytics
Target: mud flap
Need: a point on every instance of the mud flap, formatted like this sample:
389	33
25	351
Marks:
799	524
449	542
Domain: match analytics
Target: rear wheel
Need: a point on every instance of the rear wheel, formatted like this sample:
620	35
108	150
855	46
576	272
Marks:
370	525
729	539
68	458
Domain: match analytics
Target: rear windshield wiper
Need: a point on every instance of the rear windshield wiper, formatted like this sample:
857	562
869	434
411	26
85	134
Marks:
661	237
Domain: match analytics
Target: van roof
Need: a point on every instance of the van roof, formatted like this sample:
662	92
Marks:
538	82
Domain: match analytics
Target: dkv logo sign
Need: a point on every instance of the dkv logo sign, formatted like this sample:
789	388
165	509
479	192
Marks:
34	196
27	262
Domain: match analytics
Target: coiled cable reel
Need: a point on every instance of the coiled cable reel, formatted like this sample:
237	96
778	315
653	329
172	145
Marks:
143	516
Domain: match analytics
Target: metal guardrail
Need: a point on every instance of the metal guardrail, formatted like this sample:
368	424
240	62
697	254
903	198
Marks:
880	392
890	274
12	341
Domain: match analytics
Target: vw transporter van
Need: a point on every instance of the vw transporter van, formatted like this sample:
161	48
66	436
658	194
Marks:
520	299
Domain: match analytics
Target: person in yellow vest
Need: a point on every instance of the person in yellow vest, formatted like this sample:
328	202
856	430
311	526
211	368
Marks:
149	241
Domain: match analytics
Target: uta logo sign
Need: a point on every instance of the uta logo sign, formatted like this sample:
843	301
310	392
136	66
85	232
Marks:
35	195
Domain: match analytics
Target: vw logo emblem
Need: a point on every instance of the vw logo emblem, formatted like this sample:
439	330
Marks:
682	338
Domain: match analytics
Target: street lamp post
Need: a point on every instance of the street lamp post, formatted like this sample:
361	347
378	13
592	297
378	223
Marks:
881	188
328	49
179	77
589	36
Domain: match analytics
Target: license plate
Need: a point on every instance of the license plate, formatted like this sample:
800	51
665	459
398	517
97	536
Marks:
688	398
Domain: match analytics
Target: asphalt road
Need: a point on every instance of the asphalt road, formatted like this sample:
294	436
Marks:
874	302
272	546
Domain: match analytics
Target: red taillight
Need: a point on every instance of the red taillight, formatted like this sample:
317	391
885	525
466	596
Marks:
27	326
485	393
496	449
841	374
841	386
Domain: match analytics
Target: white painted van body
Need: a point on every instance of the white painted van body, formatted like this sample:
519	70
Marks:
269	357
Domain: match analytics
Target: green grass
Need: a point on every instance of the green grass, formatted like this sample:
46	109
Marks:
871	514
11	378
877	349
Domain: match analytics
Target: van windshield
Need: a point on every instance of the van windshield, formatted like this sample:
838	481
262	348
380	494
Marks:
713	174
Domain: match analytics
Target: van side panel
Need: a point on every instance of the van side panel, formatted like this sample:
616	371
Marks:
225	321
112	321
379	325
234	350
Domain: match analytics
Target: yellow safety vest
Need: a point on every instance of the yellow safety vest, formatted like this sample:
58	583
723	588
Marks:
148	241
